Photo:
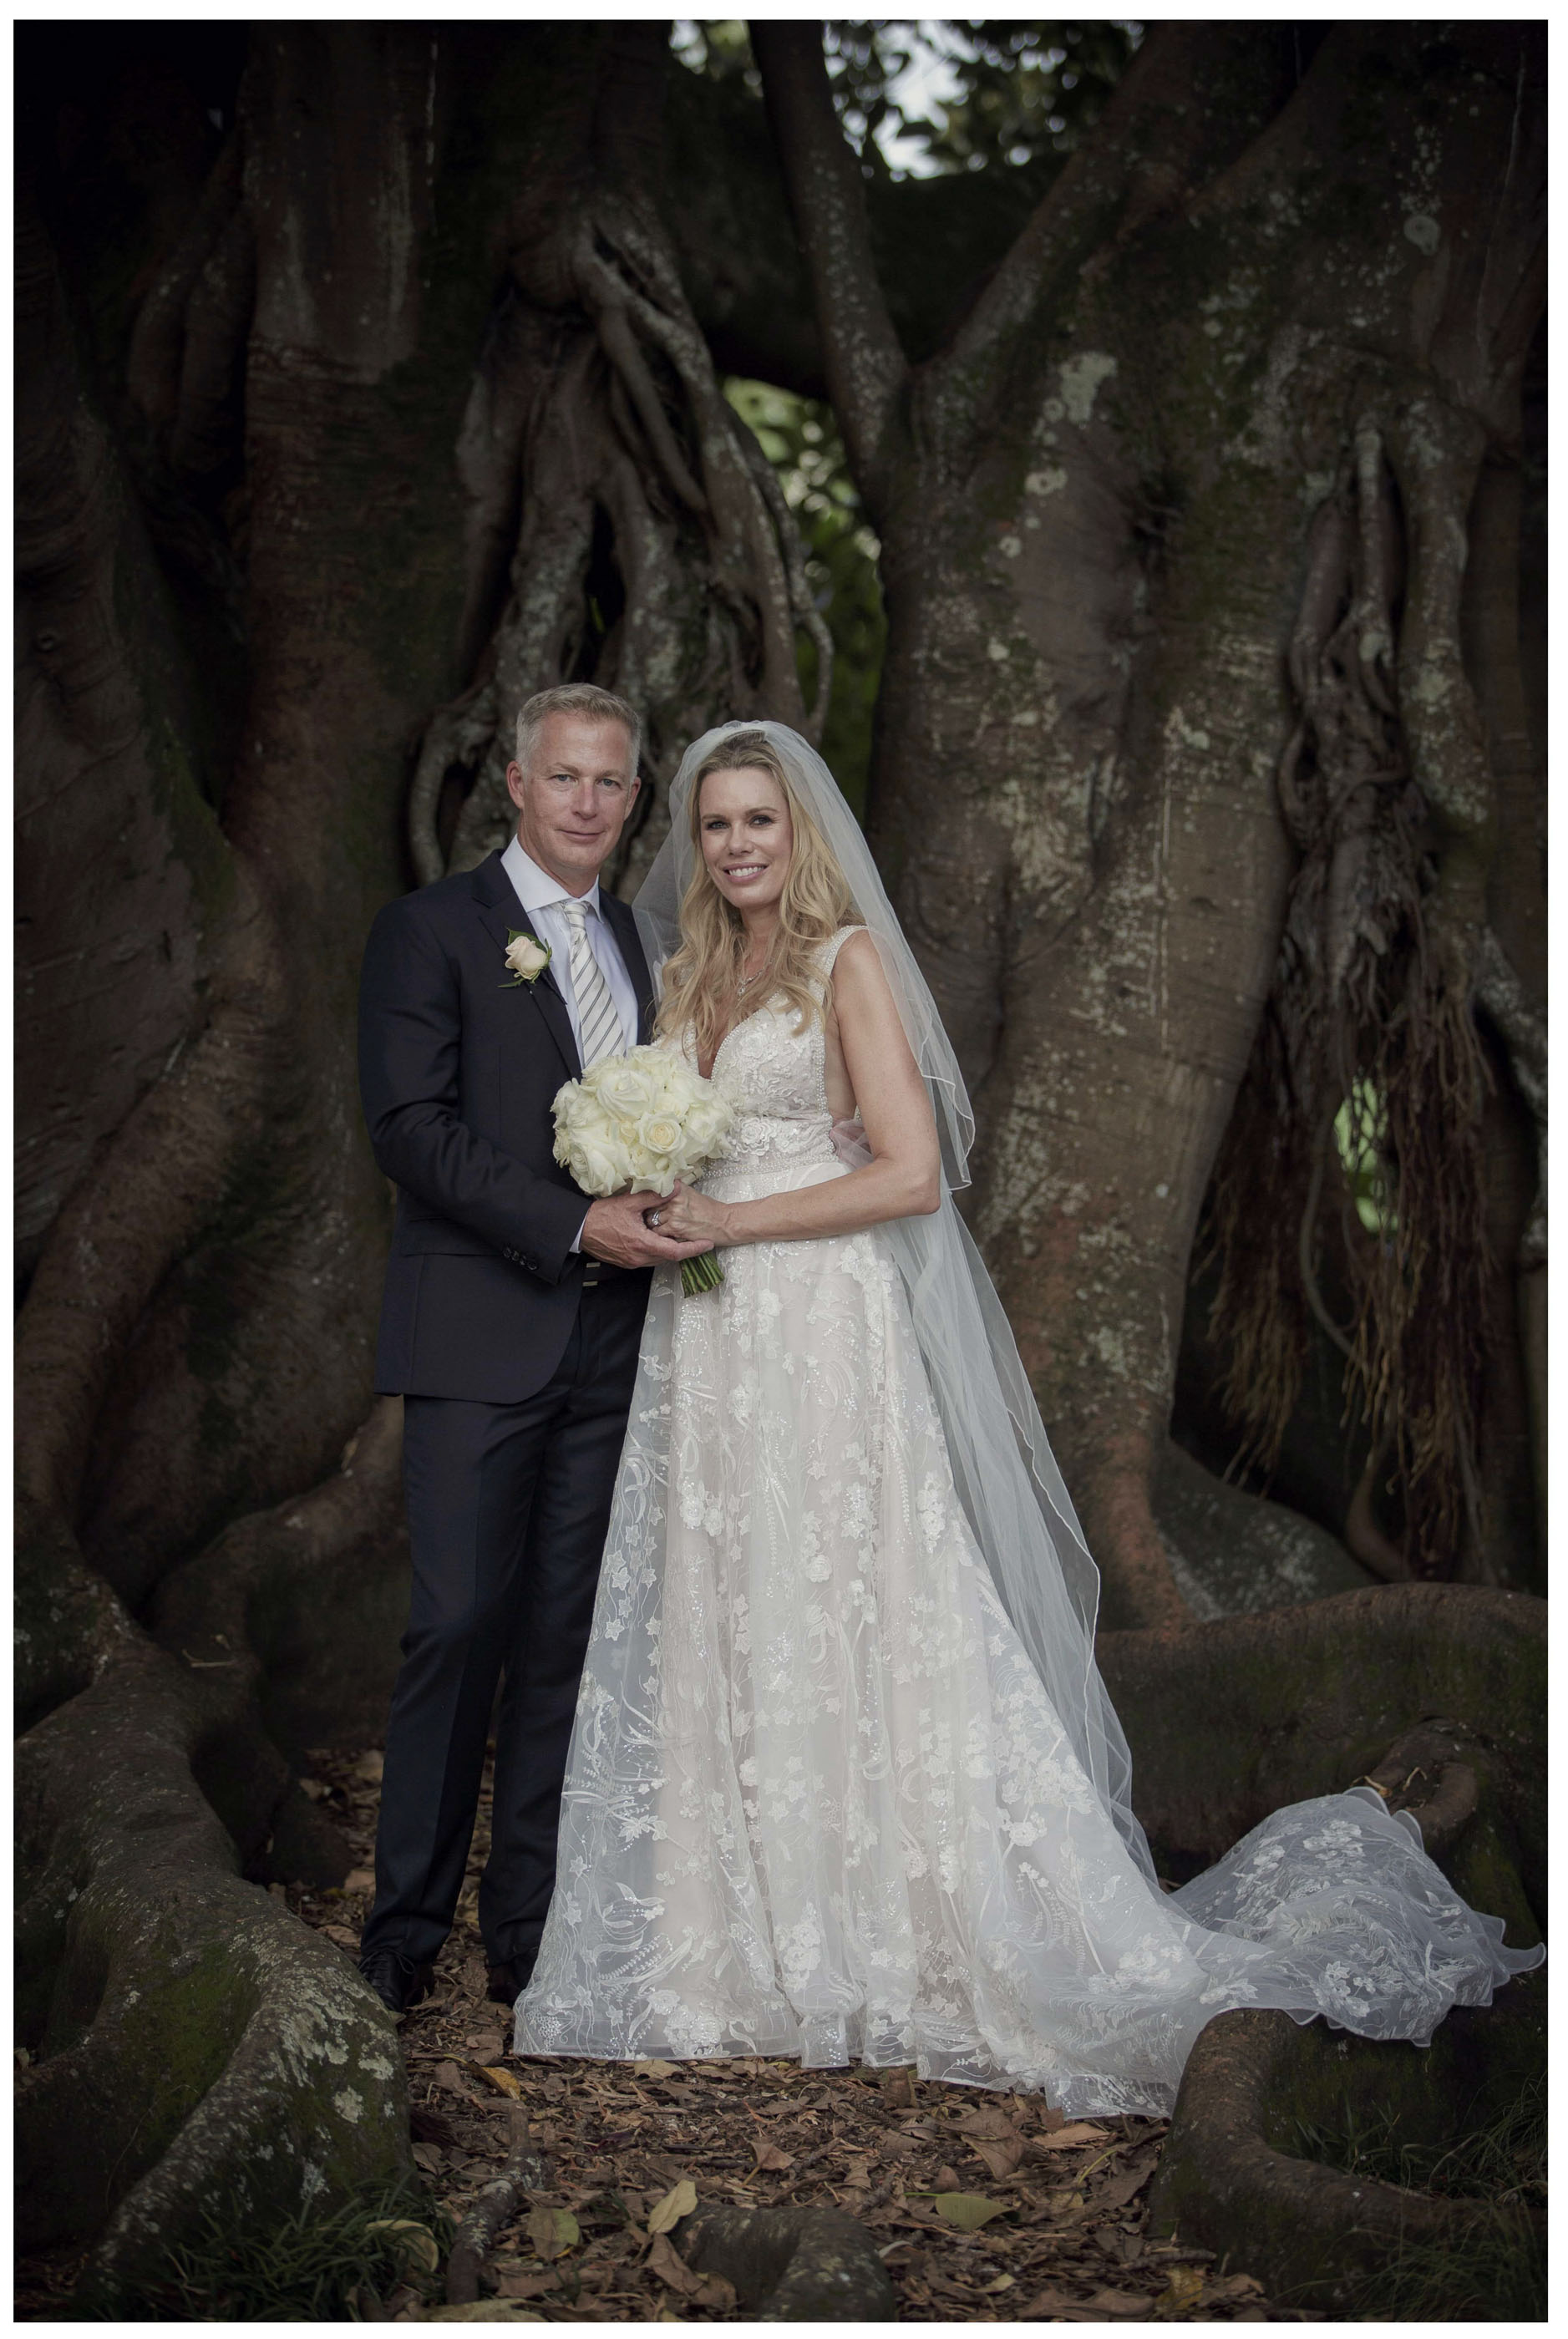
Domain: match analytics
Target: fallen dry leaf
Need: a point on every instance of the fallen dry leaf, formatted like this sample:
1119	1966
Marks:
483	2310
526	2282
344	1937
1119	2191
1051	2305
653	2068
1063	2139
1182	2290
553	2232
1132	2303
768	2155
1000	2156
989	2120
447	2076
678	2203
415	2244
967	2211
506	2083
664	2260
1231	2286
360	1880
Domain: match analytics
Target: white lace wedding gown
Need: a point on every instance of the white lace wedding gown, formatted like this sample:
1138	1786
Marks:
818	1804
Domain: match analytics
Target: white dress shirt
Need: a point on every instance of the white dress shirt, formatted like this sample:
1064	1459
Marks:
541	896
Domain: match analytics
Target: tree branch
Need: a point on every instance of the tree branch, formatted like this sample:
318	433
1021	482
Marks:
1139	161
866	367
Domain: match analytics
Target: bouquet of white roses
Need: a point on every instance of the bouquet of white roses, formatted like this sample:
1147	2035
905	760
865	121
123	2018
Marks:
634	1124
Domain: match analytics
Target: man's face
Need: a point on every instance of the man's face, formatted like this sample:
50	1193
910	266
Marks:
573	796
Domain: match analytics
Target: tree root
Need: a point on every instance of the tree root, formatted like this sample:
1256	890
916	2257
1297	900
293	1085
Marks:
1235	1553
201	2053
1423	1772
1363	1537
1236	2175
526	2171
1232	2178
291	1617
1228	1721
792	2265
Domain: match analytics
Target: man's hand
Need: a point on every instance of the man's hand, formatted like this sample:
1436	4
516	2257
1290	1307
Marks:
616	1231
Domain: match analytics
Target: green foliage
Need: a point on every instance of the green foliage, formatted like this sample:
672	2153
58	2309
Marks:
308	2270
1022	93
800	437
1025	93
1361	1136
721	50
1493	2270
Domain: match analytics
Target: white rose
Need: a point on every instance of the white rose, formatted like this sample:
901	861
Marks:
526	957
625	1086
598	1168
706	1122
659	1132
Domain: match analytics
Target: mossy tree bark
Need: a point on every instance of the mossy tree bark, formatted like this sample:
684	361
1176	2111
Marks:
367	381
1097	503
299	371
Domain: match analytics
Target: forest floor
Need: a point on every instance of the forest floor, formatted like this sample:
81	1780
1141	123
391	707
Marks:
1064	2232
1065	2238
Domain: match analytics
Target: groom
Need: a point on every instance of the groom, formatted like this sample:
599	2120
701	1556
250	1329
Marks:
510	1325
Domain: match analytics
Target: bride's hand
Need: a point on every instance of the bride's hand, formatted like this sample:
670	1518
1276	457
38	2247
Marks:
688	1216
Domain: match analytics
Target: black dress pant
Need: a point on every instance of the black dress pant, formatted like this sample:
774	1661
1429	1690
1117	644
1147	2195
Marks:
507	1510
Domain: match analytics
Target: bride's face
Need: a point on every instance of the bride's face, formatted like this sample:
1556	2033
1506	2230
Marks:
747	836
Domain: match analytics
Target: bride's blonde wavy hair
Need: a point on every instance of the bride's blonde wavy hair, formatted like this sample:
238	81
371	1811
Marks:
701	978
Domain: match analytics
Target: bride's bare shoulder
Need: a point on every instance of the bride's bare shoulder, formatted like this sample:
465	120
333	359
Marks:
856	978
850	946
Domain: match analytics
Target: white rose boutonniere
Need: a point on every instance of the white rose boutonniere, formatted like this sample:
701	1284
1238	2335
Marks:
526	958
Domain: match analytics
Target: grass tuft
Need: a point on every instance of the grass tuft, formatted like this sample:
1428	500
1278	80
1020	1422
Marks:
309	2270
1494	2269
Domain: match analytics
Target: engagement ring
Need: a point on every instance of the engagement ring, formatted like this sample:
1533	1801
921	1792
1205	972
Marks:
653	1218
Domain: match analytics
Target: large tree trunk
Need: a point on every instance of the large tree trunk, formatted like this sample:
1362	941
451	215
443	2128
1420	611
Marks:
1097	505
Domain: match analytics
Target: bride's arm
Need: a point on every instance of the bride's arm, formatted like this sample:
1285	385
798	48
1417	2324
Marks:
902	1179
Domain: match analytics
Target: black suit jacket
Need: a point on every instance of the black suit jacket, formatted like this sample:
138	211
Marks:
458	1068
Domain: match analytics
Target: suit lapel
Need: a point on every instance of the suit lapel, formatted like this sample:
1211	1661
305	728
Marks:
624	926
495	897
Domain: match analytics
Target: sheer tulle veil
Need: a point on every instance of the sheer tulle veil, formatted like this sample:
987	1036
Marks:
1003	1469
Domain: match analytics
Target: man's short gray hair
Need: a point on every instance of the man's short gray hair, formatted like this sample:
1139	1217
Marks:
576	698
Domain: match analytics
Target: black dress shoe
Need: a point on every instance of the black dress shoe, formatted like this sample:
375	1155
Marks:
396	1982
511	1977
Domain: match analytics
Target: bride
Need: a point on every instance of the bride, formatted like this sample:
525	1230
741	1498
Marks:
844	1783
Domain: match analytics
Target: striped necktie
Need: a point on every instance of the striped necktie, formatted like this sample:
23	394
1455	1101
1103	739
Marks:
598	1024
